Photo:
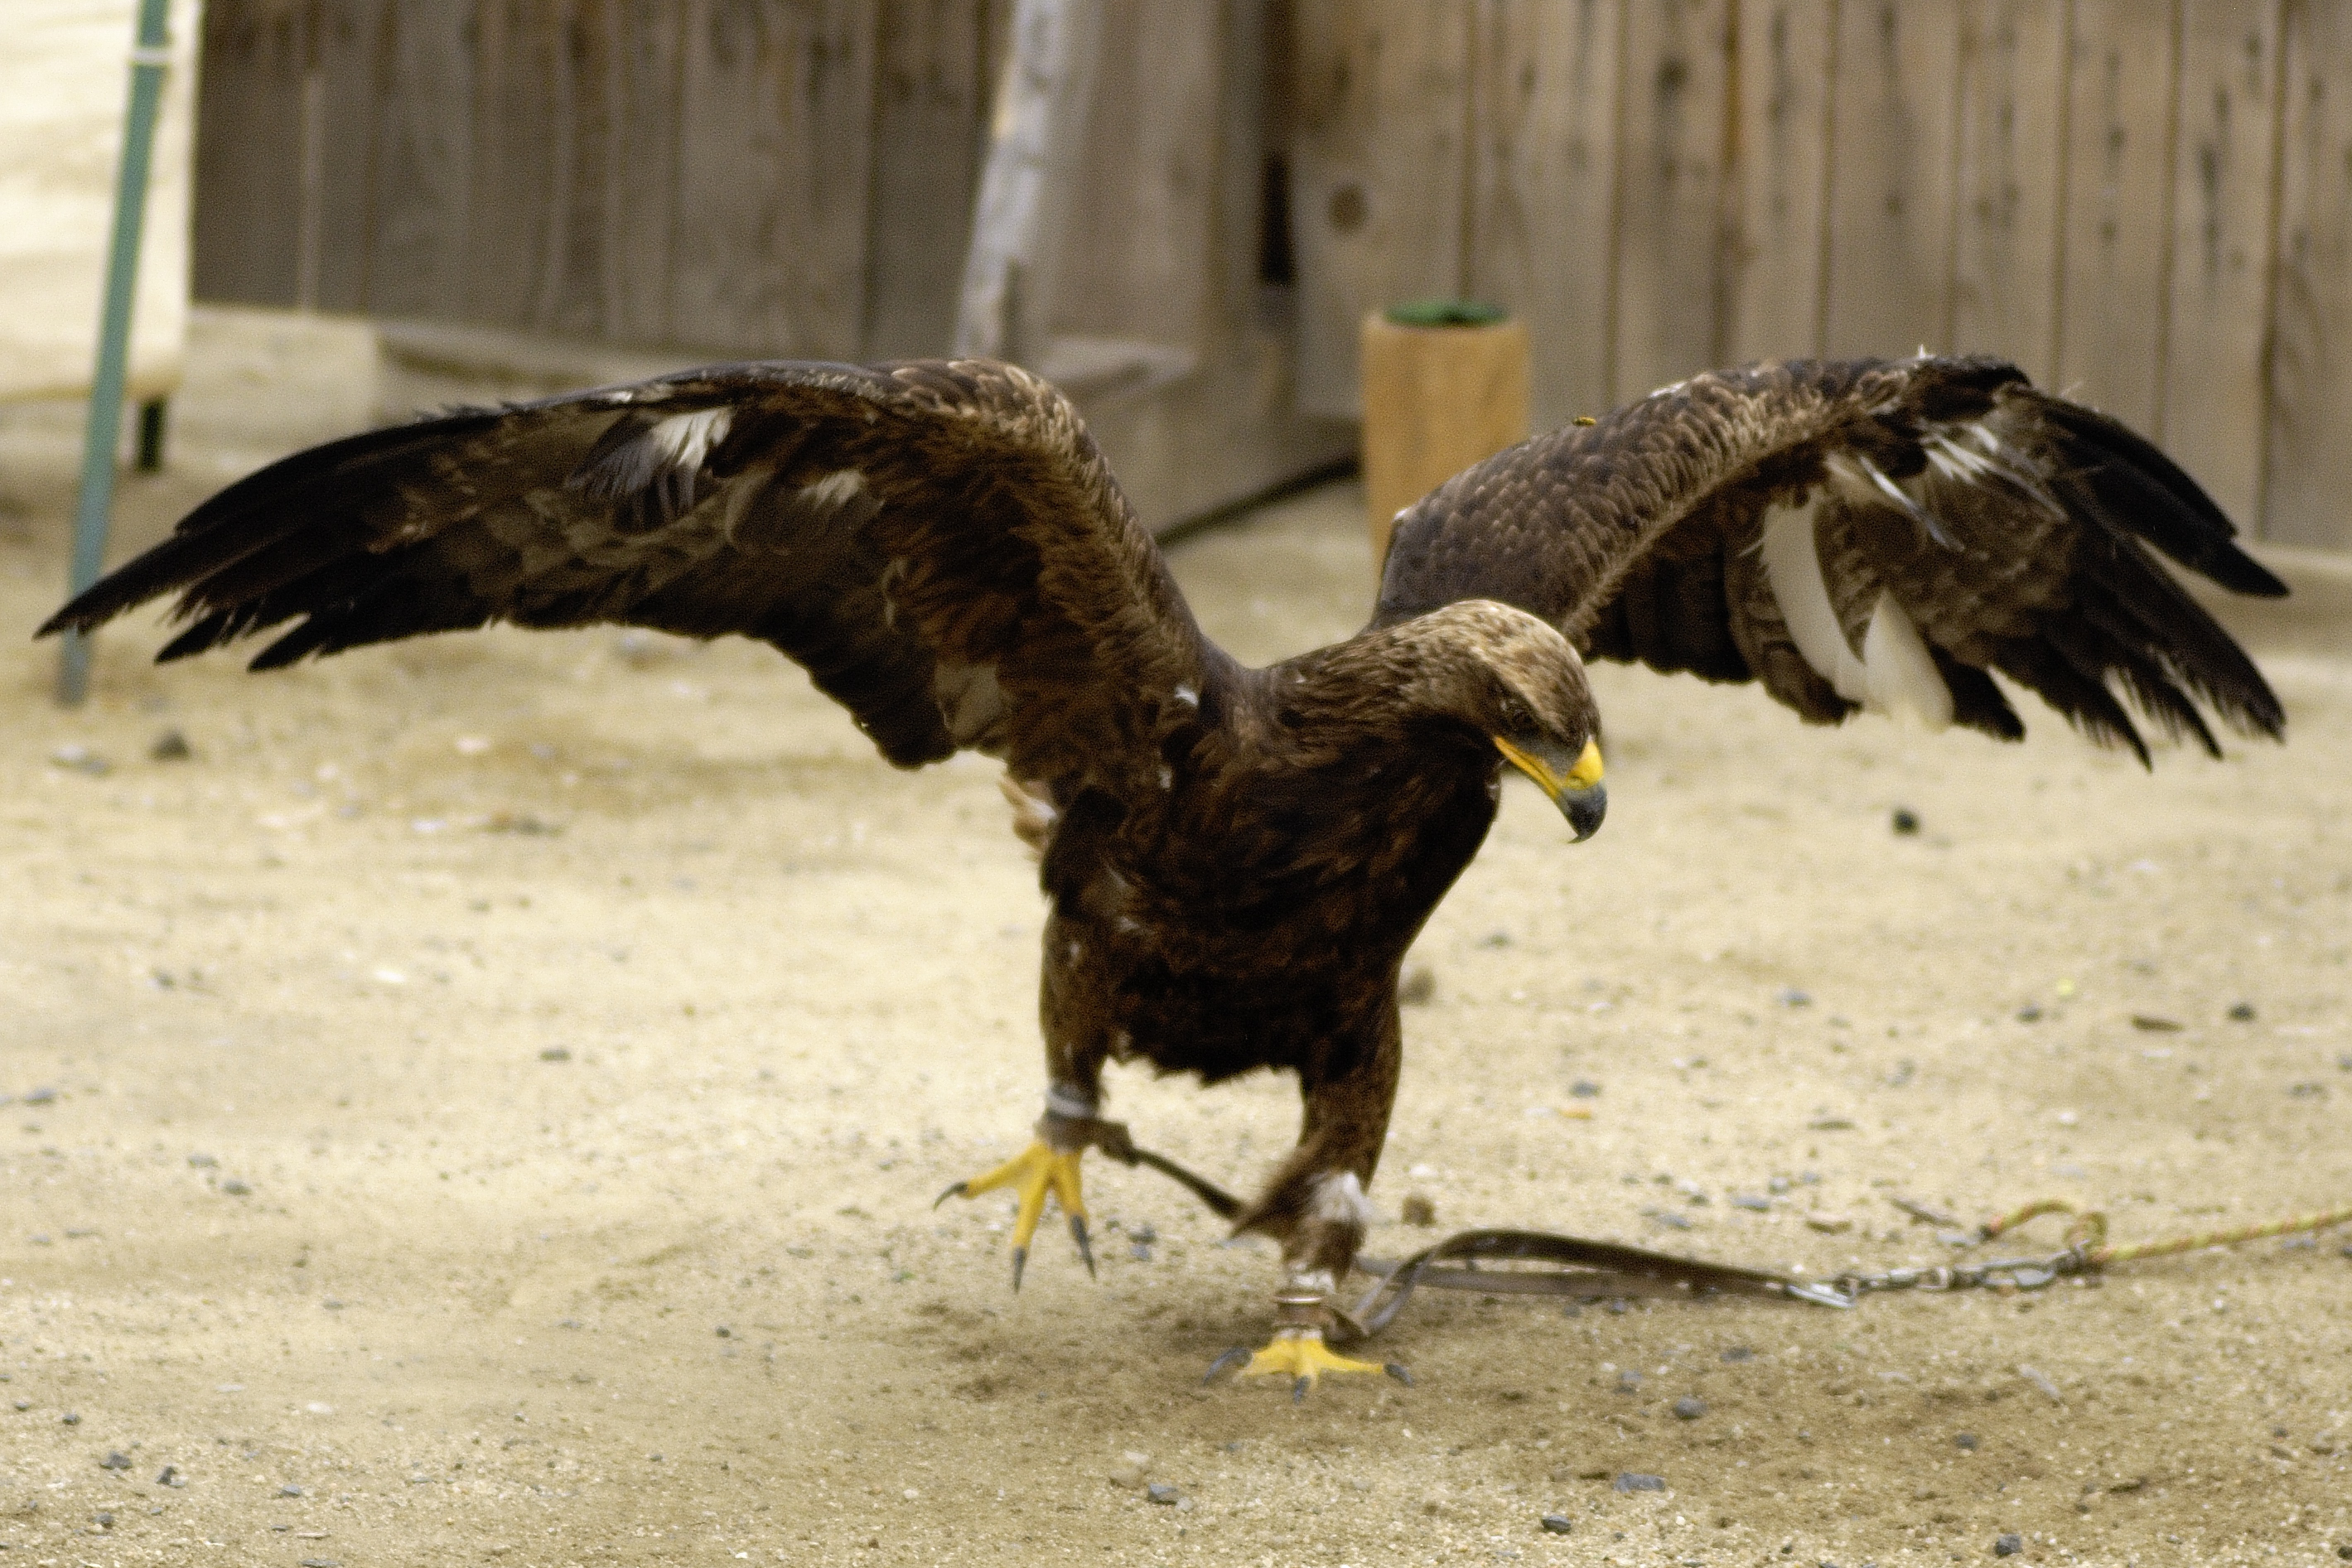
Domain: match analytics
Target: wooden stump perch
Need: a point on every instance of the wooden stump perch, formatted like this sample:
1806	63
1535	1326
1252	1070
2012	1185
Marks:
1445	385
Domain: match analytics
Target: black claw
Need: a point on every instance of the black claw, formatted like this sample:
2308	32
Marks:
1232	1357
1078	1235
1398	1371
1020	1261
955	1191
1299	1390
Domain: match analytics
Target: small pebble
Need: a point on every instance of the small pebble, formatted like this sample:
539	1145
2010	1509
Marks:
236	1188
45	1095
1559	1524
1132	1467
1670	1220
2344	1552
1418	987
1792	997
169	1476
70	1419
1689	1408
103	1520
1967	1440
77	759
170	747
1738	1353
202	1162
723	1331
2029	1013
1751	1202
2156	1023
1905	822
289	1491
1161	1493
1628	1381
1829	1224
2008	1546
116	1459
555	1053
2241	1012
1418	1209
1634	1480
1585	1088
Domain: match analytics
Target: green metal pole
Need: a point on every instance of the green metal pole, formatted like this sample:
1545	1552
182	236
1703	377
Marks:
104	429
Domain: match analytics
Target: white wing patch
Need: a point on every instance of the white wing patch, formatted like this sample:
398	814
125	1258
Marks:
684	440
831	491
1894	674
1901	674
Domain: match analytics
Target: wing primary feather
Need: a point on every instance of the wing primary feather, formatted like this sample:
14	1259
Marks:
2129	481
1977	703
2081	695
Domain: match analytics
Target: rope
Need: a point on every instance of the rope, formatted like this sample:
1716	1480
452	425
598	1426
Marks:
2089	1231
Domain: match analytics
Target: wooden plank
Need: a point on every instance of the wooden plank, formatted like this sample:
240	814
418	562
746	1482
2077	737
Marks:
345	52
931	113
1138	264
1773	296
424	120
1891	179
249	151
641	180
2308	461
1670	193
1379	172
513	165
2009	185
1543	190
2222	233
2120	91
774	171
572	294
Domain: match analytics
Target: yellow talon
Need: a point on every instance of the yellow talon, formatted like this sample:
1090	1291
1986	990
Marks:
1033	1172
1300	1355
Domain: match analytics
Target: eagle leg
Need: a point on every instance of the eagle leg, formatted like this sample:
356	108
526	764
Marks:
1048	1166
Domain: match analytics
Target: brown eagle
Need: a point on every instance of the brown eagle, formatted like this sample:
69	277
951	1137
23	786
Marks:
1237	859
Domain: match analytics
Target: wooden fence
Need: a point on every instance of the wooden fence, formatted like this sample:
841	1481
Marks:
715	179
2148	201
730	175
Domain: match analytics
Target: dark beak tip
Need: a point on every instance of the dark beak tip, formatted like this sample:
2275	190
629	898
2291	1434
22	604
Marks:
1584	808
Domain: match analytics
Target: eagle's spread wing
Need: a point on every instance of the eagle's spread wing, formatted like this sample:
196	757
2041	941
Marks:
1860	534
939	544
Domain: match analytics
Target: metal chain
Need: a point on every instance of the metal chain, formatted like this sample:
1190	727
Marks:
2086	1251
1997	1273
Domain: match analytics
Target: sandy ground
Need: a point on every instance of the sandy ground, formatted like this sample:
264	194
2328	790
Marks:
485	1105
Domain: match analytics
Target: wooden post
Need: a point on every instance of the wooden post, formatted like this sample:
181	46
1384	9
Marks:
1437	398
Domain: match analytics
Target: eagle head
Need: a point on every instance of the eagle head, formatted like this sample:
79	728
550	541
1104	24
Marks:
1528	694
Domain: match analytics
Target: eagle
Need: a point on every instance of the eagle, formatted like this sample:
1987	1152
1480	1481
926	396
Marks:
1236	859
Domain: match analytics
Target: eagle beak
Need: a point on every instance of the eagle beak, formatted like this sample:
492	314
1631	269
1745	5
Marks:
1575	789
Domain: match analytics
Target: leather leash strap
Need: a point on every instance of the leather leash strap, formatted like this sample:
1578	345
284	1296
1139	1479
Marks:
1564	1266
